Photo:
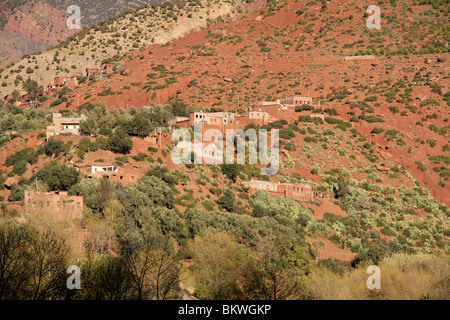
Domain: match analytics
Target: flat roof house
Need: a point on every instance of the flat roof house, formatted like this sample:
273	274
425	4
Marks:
65	81
292	190
110	171
58	204
212	118
63	125
296	101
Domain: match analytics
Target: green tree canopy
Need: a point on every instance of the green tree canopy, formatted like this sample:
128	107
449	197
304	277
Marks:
58	176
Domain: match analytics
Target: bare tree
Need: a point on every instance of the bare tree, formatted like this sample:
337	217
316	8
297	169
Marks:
155	270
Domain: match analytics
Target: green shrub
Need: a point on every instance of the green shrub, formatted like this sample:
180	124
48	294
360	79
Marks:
107	92
122	159
310	139
139	157
119	142
421	166
371	99
377	130
330	112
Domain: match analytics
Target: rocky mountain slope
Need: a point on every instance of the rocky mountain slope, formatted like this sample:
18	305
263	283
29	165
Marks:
33	26
382	149
115	37
398	100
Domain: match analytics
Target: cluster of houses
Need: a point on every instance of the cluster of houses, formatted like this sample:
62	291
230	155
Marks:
65	208
104	69
71	81
261	113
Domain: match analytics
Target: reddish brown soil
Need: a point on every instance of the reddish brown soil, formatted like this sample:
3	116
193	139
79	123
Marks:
315	66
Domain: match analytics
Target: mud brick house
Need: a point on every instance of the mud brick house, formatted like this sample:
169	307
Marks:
111	66
296	101
259	115
159	139
211	152
276	111
58	204
213	118
299	191
303	190
63	125
224	120
105	68
94	72
181	122
109	171
254	117
104	169
65	81
273	109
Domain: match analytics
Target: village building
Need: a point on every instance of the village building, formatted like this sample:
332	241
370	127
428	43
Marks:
269	103
275	110
111	66
94	72
181	122
259	115
296	101
212	118
105	68
280	108
177	120
159	139
104	169
64	125
109	171
259	118
59	205
65	81
210	152
299	191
